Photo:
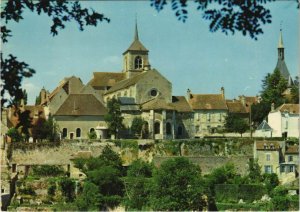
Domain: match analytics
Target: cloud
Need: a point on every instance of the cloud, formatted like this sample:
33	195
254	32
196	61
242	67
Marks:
32	91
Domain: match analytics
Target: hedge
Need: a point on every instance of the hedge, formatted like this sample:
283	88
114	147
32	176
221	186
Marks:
234	192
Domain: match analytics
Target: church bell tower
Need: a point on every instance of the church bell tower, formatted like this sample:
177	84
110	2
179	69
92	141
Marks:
135	58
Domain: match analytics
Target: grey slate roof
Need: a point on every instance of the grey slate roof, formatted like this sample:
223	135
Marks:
264	126
281	66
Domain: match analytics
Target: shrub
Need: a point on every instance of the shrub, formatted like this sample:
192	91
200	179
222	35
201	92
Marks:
14	134
92	135
47	170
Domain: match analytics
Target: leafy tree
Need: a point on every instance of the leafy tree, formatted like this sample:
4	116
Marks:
45	129
38	100
68	189
92	135
227	16
136	126
254	171
177	186
60	11
273	87
137	185
24	123
88	200
109	184
259	112
295	91
270	181
114	117
14	134
234	123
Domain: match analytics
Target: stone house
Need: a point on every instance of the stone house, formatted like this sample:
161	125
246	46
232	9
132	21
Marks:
269	156
284	120
278	157
79	115
210	111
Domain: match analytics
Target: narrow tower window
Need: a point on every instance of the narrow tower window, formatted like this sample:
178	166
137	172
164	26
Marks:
138	63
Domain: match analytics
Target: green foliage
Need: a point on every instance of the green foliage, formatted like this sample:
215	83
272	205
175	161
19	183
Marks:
136	126
227	16
260	111
47	170
270	181
114	117
88	200
254	171
111	158
137	185
109	184
233	192
45	129
273	87
234	123
24	123
14	134
28	190
92	135
295	91
51	189
177	185
67	188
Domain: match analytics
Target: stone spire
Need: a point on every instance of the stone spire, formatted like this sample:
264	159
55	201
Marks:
136	34
280	47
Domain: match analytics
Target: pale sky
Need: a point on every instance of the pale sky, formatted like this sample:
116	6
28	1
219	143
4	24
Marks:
187	54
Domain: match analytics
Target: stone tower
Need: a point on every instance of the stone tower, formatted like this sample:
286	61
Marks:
281	66
135	58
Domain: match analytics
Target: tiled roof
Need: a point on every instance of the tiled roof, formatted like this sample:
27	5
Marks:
126	83
236	107
207	102
106	78
292	149
157	104
267	145
80	105
290	108
180	104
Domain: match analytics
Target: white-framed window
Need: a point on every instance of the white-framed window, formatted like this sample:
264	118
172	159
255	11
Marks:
268	157
290	158
268	169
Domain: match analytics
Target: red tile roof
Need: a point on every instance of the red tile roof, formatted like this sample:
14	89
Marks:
207	102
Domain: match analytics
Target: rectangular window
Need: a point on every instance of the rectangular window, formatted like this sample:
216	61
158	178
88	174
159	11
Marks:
291	168
268	157
290	158
268	169
282	169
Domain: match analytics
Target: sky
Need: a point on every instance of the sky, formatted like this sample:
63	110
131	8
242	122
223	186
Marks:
187	54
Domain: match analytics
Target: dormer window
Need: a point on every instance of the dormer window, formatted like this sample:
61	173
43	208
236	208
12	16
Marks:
138	63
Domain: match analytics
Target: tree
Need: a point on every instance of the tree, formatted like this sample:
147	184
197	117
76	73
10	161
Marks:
68	189
295	91
14	134
270	181
136	126
234	123
227	16
177	186
259	112
254	171
137	186
45	129
114	117
273	87
25	123
59	11
88	200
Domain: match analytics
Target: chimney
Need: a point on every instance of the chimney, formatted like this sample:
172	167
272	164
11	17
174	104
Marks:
188	94
223	92
272	106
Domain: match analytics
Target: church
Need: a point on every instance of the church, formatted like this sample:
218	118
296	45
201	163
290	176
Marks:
143	92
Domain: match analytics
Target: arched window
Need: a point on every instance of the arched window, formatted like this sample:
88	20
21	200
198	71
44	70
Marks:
168	128
138	63
156	128
65	132
179	130
78	132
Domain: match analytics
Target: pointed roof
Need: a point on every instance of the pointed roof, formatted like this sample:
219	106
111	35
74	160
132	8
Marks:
136	44
280	42
264	126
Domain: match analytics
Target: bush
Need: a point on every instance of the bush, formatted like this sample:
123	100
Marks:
51	189
47	170
14	134
68	189
92	135
27	190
